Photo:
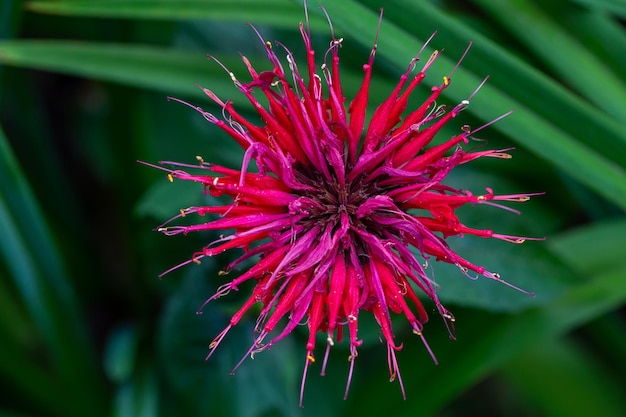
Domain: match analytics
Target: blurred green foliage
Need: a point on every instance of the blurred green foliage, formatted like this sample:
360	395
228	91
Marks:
86	328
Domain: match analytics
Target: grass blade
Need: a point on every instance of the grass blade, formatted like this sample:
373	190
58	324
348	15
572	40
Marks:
279	13
578	66
34	265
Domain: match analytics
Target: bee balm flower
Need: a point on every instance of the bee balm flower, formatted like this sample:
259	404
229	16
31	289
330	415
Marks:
336	202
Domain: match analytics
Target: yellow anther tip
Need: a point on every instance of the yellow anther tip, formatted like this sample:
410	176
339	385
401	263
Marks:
311	358
170	177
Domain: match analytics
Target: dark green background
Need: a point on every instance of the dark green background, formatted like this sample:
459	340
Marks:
86	328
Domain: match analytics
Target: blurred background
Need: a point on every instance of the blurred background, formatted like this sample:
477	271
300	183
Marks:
86	326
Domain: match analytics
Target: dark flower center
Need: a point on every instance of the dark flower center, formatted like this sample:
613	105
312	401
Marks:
332	199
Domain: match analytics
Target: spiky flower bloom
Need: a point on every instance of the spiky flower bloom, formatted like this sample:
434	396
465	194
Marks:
336	202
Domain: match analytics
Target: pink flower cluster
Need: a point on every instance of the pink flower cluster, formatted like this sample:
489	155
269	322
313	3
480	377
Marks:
336	202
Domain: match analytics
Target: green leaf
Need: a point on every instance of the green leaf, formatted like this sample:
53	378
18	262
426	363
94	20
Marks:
34	266
139	396
27	379
612	6
278	13
599	32
563	379
594	248
13	319
9	18
564	55
166	70
607	334
120	354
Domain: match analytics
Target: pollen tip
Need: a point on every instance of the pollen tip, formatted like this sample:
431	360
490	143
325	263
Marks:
170	177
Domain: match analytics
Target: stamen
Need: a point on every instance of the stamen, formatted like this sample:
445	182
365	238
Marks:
326	356
427	346
351	358
492	122
496	277
216	342
460	60
231	75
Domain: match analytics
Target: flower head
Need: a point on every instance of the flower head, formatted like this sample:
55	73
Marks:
336	202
